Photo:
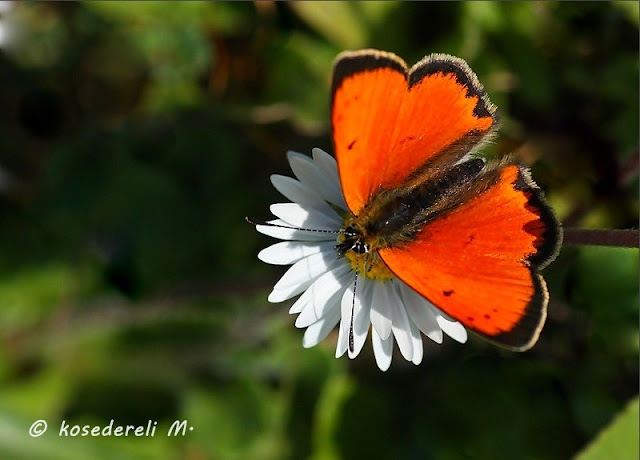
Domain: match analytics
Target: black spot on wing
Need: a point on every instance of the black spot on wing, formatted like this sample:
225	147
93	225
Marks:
351	144
407	139
447	293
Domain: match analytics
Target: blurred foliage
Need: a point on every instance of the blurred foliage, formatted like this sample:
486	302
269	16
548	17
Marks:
137	136
613	442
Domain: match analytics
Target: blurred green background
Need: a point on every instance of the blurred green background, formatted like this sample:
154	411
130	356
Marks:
135	137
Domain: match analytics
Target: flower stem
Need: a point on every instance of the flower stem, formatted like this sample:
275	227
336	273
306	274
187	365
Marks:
607	237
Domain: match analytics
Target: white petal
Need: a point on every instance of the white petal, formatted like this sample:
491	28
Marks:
306	218
362	313
328	165
283	233
310	174
400	323
319	330
326	292
343	336
345	320
346	307
382	350
306	269
280	295
307	296
290	252
360	309
421	311
452	328
380	310
325	162
301	274
299	193
301	303
416	341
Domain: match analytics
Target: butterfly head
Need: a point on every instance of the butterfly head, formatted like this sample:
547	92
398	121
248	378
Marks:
361	250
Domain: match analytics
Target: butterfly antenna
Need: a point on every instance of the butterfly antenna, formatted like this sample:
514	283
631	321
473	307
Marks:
353	309
291	227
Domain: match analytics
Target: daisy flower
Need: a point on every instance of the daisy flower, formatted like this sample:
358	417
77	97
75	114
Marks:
331	290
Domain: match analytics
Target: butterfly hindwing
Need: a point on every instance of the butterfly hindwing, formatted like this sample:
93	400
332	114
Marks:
390	121
479	263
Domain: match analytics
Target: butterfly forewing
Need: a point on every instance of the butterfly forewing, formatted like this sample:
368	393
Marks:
390	121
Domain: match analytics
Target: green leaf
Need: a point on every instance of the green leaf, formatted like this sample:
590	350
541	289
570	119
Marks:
619	440
348	25
337	21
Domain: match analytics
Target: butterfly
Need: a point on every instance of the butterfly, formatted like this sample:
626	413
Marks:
469	235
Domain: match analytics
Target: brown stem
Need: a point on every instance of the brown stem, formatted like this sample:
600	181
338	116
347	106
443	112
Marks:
618	238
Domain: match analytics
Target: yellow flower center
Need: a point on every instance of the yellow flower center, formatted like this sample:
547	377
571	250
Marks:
369	265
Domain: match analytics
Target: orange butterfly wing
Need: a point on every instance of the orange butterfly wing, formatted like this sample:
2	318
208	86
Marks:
388	121
480	262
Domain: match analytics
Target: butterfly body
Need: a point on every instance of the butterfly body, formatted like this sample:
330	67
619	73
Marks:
470	237
392	217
